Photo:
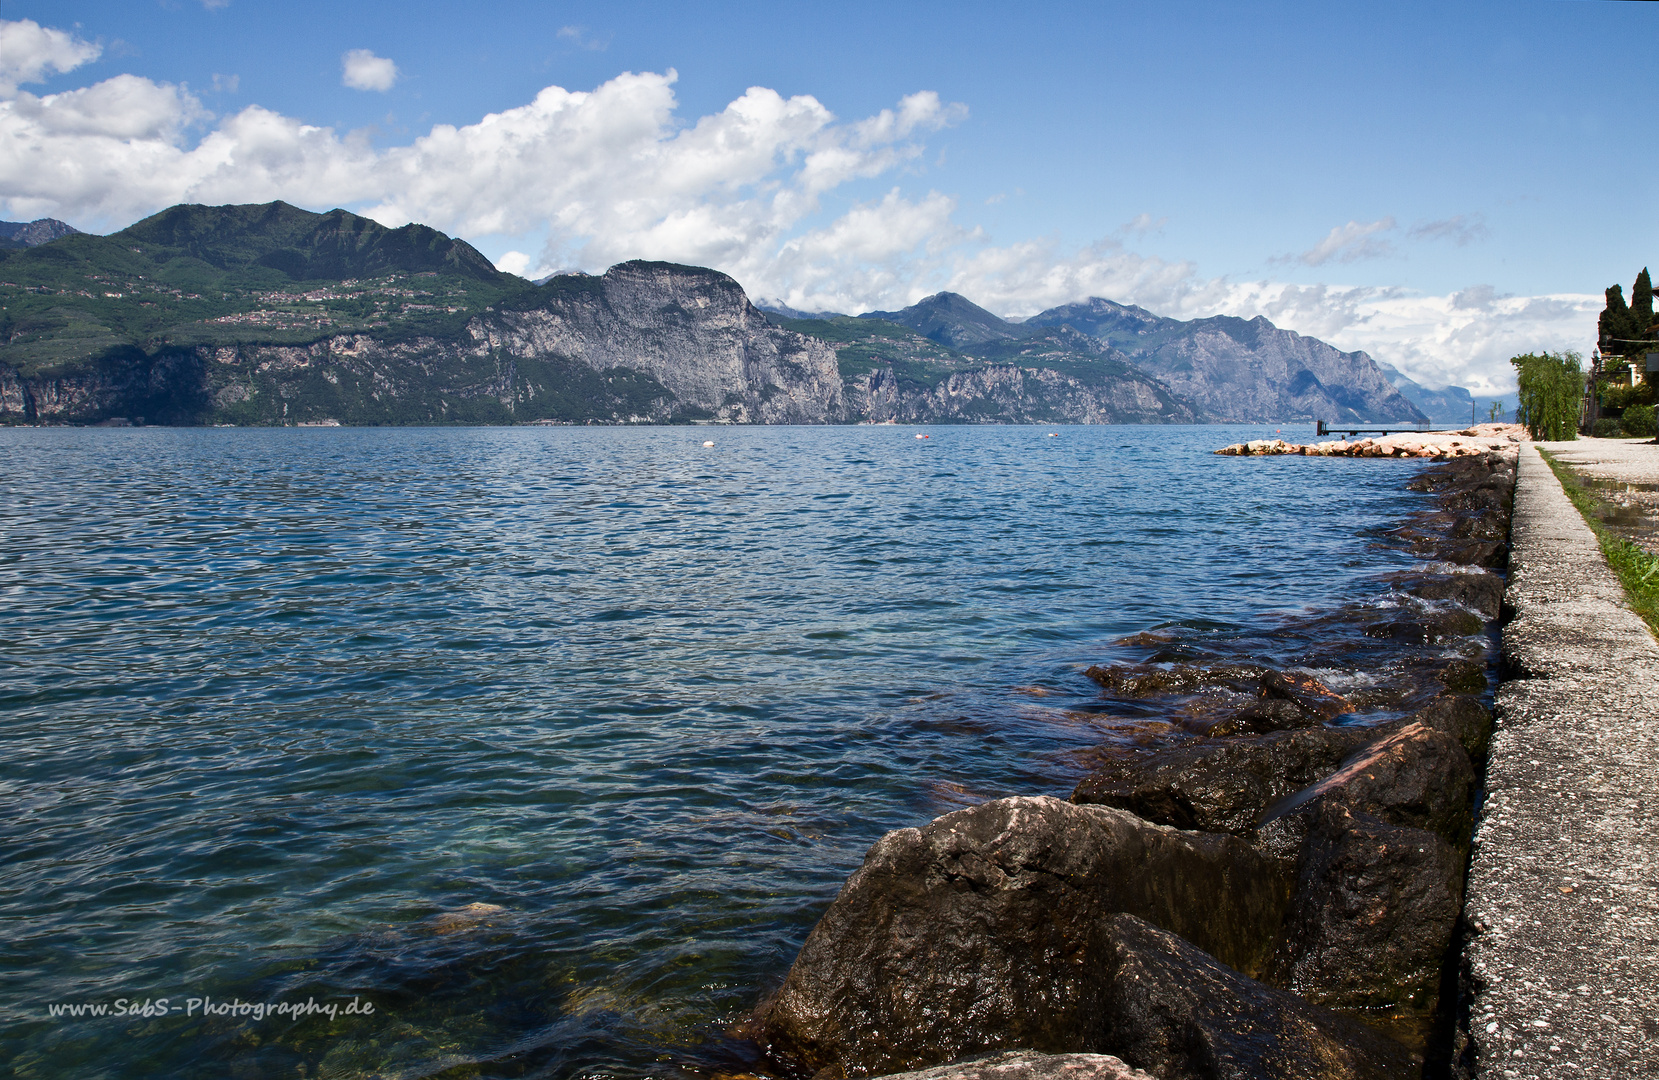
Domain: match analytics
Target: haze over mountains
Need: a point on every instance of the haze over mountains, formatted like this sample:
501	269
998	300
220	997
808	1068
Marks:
271	314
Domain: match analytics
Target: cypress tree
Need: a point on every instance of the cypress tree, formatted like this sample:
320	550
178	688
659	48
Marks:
1641	303
1617	325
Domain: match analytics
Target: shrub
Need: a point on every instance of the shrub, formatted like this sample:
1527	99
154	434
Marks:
1607	427
1638	421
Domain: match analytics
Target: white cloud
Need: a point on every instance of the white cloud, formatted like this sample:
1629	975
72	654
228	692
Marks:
581	38
226	84
1350	243
361	69
30	53
614	173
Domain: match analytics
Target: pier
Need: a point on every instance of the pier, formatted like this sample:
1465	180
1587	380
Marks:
1561	969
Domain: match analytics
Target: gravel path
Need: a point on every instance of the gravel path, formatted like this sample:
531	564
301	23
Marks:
1563	893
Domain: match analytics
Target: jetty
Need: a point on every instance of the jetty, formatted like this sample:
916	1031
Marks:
1561	967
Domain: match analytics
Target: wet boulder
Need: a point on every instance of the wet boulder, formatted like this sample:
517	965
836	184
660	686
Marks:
1488	525
987	929
1374	911
1181	1015
1030	1065
1415	776
1485	553
1230	785
1137	681
1222	785
1481	593
1428	627
1462	717
1463	676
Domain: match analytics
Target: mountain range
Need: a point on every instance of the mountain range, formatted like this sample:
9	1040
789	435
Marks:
269	314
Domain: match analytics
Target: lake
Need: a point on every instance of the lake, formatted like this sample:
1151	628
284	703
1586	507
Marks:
284	709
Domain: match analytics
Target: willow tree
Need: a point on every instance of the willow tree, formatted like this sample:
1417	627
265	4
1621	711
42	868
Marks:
1552	393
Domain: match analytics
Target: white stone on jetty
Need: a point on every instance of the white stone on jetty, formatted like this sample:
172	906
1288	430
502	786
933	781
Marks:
1480	439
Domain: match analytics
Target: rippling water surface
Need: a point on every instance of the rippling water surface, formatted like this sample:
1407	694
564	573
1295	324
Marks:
278	706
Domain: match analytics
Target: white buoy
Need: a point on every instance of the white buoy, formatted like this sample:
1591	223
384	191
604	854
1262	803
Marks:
921	436
1054	434
709	443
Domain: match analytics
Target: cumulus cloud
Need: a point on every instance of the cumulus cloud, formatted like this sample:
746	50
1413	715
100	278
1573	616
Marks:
596	177
361	69
30	53
1348	243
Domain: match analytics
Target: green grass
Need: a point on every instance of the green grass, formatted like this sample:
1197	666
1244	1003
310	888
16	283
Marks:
1637	570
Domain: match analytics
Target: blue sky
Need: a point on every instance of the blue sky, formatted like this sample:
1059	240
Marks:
1440	184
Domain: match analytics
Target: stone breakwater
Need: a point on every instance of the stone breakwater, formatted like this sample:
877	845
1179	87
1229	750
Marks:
1437	445
1262	878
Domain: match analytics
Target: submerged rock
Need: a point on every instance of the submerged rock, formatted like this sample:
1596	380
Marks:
1481	593
988	928
1373	915
1030	1065
1181	1015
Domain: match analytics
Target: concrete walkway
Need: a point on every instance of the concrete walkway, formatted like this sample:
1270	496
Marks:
1564	887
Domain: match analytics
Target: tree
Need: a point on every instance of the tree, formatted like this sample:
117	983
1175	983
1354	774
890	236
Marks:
1552	393
1617	326
1641	304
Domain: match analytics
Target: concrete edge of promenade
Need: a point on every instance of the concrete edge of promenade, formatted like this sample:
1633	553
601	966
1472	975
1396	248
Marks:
1561	968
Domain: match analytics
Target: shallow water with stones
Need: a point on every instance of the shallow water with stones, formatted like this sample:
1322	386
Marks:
279	705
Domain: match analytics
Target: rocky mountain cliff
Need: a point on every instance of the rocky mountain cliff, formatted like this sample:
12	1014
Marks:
28	234
270	314
1237	369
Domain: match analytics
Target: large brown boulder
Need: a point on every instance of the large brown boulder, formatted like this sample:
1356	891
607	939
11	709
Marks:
1415	776
1462	717
1224	785
1373	915
988	929
1181	1015
1030	1065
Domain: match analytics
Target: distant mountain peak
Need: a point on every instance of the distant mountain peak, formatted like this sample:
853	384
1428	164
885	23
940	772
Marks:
27	234
951	319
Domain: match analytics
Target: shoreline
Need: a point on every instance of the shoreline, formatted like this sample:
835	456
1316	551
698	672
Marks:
1279	945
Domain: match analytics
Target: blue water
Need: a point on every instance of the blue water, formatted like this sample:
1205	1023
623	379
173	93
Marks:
275	701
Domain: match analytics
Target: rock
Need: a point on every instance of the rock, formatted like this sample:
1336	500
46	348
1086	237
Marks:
1492	525
1181	1015
1306	691
1146	680
1223	785
1481	593
1264	716
1485	553
987	929
1428	627
1463	718
1373	913
1415	776
1463	676
1029	1065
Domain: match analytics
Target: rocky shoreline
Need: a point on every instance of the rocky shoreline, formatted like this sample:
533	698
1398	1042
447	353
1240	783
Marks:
1266	880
